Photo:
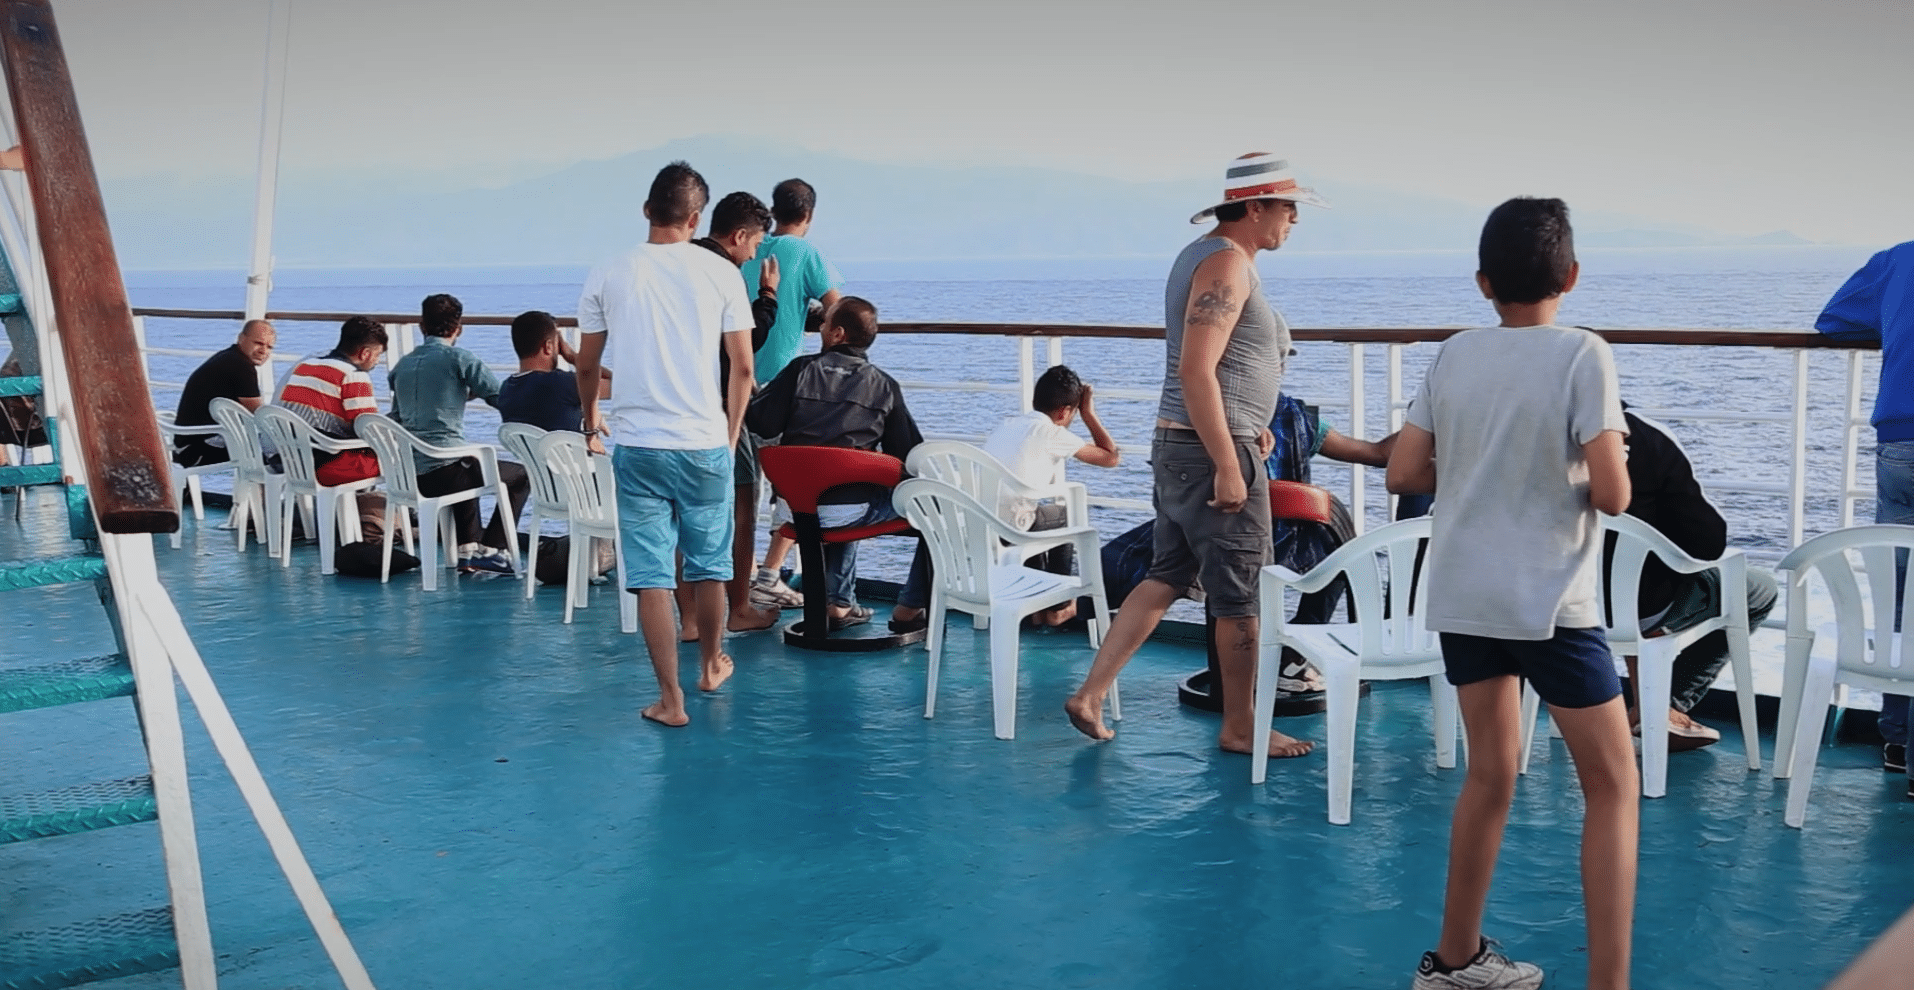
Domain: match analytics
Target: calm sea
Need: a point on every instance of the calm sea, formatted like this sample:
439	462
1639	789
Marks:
1768	287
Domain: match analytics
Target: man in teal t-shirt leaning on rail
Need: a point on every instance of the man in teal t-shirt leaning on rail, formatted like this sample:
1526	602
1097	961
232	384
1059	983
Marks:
803	276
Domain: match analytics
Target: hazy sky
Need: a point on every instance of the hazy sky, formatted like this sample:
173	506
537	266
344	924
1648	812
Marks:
1739	115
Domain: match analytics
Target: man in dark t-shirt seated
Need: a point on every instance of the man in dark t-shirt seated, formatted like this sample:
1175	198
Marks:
232	374
539	393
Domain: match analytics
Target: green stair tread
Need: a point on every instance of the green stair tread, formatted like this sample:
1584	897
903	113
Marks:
68	682
21	385
19	574
90	951
29	474
75	809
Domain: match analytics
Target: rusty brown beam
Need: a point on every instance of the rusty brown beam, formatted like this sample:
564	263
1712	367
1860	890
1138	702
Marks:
118	438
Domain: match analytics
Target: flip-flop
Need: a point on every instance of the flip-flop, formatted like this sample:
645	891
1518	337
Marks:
857	616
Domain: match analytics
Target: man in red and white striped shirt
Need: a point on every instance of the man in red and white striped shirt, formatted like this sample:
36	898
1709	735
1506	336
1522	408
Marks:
330	392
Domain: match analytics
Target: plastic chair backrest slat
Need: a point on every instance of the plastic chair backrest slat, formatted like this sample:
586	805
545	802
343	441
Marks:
1863	622
956	527
522	440
1388	617
581	478
393	446
242	436
292	437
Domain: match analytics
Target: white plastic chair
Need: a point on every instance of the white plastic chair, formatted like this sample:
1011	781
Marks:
589	489
188	477
987	480
1387	641
1635	541
394	445
548	503
295	439
978	568
1867	652
256	491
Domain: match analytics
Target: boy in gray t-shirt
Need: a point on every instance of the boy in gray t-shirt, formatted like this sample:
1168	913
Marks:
1523	424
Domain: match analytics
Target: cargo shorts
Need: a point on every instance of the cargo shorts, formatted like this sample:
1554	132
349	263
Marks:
1203	551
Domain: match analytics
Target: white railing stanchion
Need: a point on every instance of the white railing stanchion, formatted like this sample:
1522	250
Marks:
1394	415
1850	439
1026	371
146	353
1358	427
1056	352
1798	463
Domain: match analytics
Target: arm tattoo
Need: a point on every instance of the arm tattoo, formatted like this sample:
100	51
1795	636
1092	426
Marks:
1214	306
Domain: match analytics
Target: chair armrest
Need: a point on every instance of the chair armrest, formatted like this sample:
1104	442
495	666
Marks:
455	451
336	445
1317	579
172	429
1084	538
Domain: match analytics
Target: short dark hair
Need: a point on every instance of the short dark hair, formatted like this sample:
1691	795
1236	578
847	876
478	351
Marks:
1232	212
857	318
1057	388
530	330
678	193
793	200
739	211
357	332
1527	250
440	314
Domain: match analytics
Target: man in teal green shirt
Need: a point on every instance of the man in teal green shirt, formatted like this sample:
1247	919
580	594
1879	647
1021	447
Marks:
803	276
430	388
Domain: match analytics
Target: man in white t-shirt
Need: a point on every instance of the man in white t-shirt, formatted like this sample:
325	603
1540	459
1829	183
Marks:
661	313
1035	446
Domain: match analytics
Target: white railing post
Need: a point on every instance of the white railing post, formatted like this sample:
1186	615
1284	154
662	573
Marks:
1850	436
1056	353
1026	371
1394	417
1798	461
1358	425
139	337
272	112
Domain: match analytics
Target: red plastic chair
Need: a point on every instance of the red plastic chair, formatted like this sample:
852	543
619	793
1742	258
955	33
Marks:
801	476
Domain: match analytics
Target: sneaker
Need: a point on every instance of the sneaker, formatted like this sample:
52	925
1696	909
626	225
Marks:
1298	676
768	594
487	560
1894	758
1489	970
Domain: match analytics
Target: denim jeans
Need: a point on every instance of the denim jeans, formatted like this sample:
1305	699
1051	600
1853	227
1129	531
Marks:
840	563
1699	599
1894	503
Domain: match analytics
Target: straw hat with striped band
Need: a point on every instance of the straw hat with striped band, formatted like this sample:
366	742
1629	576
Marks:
1260	175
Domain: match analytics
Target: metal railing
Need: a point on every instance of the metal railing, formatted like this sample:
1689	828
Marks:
1790	482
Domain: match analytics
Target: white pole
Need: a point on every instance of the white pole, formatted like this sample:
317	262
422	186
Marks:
272	112
1358	427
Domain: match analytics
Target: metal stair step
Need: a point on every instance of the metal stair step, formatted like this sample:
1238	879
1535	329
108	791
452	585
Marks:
80	808
13	385
68	682
104	949
12	475
18	574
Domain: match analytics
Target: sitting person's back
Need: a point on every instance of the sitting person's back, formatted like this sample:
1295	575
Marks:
1035	445
332	390
539	393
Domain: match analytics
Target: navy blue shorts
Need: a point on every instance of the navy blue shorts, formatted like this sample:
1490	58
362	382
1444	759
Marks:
1572	669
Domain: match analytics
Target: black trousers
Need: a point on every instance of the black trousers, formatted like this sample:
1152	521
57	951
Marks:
464	473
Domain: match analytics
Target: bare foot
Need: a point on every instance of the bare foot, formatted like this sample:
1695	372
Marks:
1281	746
1060	615
1087	716
749	619
716	674
667	716
688	634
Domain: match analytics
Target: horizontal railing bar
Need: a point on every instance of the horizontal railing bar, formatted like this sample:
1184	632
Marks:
961	387
1136	505
1708	414
1350	335
1750	487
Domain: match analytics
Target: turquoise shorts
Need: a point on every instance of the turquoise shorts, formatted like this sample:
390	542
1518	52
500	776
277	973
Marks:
671	502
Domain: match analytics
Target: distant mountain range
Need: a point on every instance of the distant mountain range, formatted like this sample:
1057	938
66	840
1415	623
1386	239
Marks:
866	210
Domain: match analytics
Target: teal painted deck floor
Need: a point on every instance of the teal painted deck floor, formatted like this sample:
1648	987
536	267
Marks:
472	782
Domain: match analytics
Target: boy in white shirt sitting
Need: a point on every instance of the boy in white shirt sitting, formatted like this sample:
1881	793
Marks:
1034	447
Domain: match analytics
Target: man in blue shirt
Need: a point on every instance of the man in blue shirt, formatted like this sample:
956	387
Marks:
430	388
1877	303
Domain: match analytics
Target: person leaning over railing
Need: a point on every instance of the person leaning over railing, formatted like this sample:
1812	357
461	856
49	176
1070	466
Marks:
1877	303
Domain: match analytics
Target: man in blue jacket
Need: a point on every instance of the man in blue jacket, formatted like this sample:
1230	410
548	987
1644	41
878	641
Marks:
1877	303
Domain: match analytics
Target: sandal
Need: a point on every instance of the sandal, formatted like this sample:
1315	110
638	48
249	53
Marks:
921	622
857	616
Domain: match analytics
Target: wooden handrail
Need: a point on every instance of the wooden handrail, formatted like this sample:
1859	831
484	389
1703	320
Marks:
118	438
1347	335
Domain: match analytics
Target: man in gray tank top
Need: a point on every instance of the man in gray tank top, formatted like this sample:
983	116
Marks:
1223	367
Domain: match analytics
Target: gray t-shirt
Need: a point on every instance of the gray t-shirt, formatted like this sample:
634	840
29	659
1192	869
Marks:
1517	547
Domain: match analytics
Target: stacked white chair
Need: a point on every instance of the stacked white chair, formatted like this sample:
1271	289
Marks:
1860	648
256	491
978	567
589	489
295	439
394	445
1635	542
1387	641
